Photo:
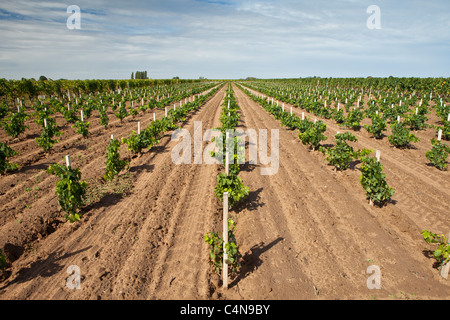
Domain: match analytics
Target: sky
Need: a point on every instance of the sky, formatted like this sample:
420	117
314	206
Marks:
224	39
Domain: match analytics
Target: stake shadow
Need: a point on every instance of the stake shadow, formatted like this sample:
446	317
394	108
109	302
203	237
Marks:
429	164
32	136
430	255
247	167
107	200
41	166
252	202
157	149
251	260
142	168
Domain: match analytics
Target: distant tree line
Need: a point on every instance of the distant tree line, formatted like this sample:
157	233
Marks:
139	75
32	88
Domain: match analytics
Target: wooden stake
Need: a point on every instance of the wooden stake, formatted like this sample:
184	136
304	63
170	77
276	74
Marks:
227	155
446	267
225	240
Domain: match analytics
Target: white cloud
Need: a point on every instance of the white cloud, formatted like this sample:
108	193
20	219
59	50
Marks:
222	39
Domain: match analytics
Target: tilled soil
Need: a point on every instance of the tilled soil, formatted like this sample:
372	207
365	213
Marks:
310	232
126	247
306	232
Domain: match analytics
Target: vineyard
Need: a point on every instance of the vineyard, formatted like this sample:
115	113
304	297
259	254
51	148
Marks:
358	179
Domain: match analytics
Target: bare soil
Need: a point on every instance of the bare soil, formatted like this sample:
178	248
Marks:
306	232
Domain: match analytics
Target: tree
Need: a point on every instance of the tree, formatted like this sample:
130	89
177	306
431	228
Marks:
140	75
132	75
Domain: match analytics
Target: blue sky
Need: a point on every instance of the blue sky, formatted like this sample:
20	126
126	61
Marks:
224	39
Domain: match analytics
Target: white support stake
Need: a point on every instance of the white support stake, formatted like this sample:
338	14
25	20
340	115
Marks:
445	269
82	116
440	135
139	127
165	111
68	161
45	123
225	240
378	155
154	116
227	155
